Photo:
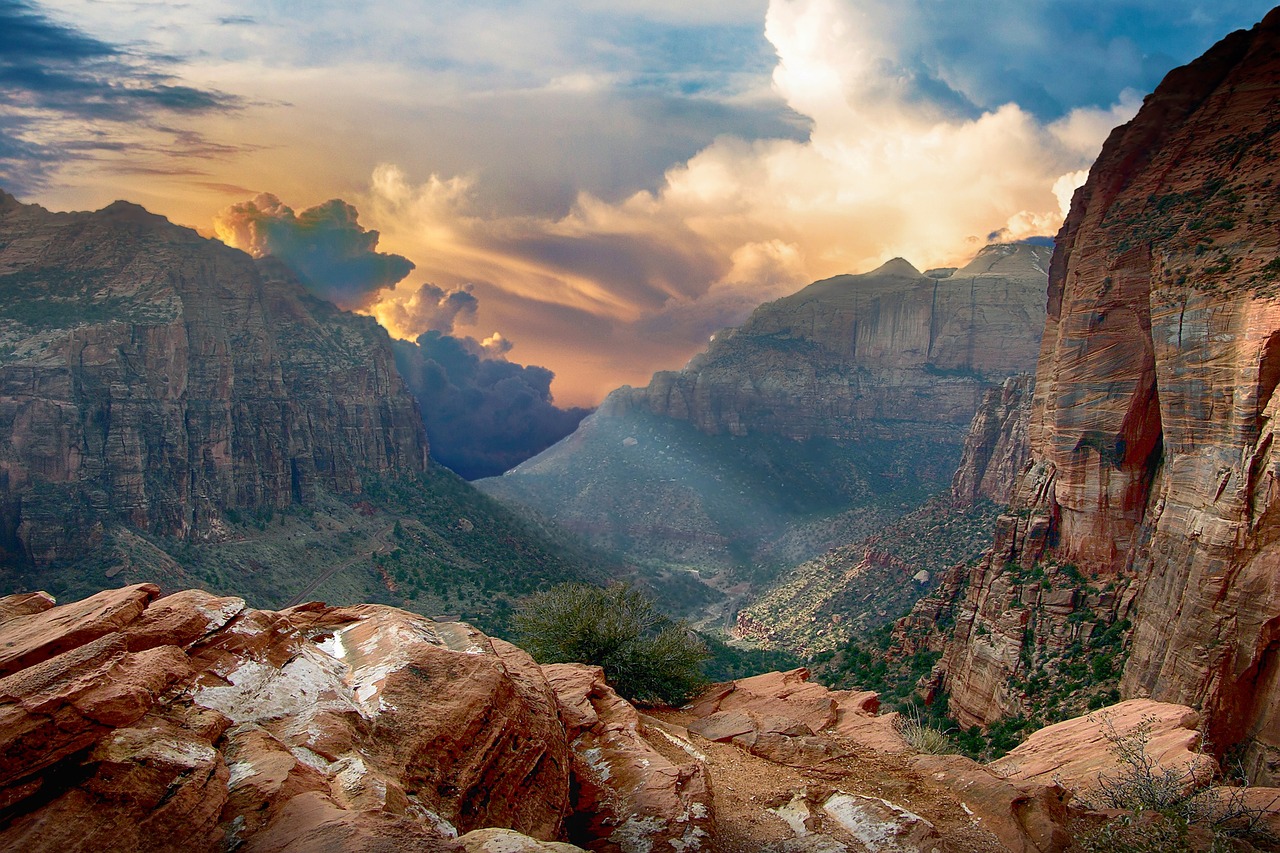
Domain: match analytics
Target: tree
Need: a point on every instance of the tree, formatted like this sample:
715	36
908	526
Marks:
646	657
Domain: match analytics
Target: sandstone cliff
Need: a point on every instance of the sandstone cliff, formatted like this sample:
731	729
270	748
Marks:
997	446
1152	427
867	355
154	379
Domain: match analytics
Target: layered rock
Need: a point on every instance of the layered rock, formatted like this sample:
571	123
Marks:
1083	752
997	446
627	796
869	354
152	379
134	723
1152	424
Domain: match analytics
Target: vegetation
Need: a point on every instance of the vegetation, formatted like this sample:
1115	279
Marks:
921	736
647	657
726	662
1168	809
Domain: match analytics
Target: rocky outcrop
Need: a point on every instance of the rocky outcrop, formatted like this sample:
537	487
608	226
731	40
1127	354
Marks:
1082	752
996	448
1153	417
785	717
153	379
131	722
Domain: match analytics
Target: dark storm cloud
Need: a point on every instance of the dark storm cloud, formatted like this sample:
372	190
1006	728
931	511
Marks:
52	74
483	415
326	245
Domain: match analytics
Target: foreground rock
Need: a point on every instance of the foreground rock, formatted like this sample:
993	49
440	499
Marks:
130	722
1077	753
628	797
782	716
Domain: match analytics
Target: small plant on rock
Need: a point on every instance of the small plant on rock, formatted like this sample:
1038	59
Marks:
1170	809
922	737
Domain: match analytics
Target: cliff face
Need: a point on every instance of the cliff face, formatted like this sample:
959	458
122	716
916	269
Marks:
152	378
997	446
870	354
1152	427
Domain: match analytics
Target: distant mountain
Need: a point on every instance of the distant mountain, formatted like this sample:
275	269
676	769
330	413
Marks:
825	417
172	410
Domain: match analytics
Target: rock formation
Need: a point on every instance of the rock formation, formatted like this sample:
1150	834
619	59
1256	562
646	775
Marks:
996	448
153	379
866	355
194	722
1152	428
131	722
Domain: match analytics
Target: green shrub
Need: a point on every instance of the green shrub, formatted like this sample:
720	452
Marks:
646	657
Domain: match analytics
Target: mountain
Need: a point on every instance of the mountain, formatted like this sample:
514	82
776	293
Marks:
1151	501
173	410
825	417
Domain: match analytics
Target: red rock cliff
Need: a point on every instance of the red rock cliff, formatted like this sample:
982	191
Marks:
154	378
1153	421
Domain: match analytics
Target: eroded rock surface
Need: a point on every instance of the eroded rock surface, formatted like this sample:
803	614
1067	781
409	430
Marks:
131	723
1076	753
629	797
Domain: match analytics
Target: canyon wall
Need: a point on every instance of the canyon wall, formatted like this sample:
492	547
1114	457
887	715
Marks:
866	355
152	378
1152	492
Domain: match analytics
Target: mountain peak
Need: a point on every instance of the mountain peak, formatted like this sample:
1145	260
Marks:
897	267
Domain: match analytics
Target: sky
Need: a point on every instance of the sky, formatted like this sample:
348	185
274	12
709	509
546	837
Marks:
594	187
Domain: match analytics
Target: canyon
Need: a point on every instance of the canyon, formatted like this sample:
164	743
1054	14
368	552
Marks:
798	432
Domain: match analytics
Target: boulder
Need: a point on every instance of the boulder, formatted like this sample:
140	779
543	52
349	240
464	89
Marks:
630	797
131	723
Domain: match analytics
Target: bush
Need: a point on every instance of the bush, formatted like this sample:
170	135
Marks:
1166	806
646	657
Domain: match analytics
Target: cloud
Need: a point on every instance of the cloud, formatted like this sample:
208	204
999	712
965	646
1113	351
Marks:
483	415
59	84
897	163
326	245
427	309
